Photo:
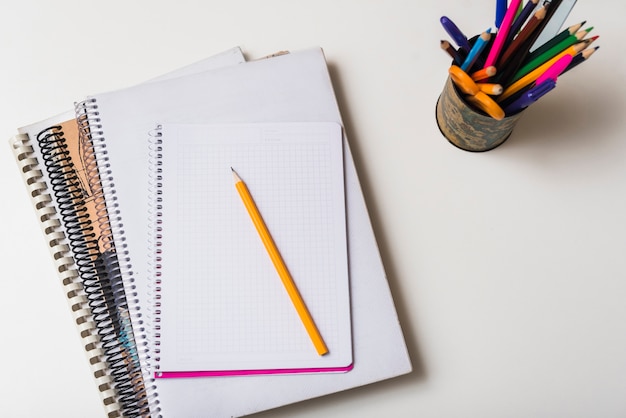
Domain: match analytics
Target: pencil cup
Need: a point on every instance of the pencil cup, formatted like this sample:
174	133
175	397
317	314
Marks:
468	128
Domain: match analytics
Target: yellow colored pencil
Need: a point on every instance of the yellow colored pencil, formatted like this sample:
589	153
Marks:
534	75
279	264
490	88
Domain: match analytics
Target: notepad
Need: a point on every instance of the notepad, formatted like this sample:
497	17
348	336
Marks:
222	307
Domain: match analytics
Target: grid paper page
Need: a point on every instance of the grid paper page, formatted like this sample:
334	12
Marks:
223	305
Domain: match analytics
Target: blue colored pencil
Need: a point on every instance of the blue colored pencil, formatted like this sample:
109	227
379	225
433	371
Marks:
476	50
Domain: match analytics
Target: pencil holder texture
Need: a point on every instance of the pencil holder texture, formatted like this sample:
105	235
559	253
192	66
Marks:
468	128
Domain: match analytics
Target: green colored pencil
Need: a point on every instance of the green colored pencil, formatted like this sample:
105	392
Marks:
546	56
556	39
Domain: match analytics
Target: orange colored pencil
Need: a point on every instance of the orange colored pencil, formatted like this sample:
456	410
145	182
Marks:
484	73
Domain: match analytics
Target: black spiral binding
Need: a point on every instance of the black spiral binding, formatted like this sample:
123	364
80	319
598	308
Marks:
65	265
99	271
97	167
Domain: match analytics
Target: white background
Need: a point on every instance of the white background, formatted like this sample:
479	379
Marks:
508	267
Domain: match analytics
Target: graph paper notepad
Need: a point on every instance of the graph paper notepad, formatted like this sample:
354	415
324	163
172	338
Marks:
223	308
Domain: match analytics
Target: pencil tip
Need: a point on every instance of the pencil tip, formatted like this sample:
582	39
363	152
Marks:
235	175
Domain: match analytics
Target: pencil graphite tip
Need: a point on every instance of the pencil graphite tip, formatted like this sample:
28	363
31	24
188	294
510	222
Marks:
586	42
575	28
235	175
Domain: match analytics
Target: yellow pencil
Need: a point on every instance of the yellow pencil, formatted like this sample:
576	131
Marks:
280	266
534	75
490	88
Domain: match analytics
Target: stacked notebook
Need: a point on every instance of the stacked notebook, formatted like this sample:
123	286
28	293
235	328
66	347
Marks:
182	307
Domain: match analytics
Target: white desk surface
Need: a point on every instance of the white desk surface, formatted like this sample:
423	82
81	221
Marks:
508	267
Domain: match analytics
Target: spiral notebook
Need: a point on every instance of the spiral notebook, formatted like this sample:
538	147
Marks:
294	88
222	307
291	88
58	169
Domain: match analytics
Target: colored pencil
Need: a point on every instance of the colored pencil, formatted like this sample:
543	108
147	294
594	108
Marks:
552	7
520	19
508	65
581	57
483	73
521	52
556	49
498	43
492	89
536	73
556	39
555	69
476	50
523	36
524	49
454	54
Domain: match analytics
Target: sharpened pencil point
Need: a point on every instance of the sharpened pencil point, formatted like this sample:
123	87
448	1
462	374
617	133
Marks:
235	175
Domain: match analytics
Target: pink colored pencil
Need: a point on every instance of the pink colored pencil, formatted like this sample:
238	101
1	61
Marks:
555	69
503	32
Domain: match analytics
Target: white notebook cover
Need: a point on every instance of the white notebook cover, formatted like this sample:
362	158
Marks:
295	87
